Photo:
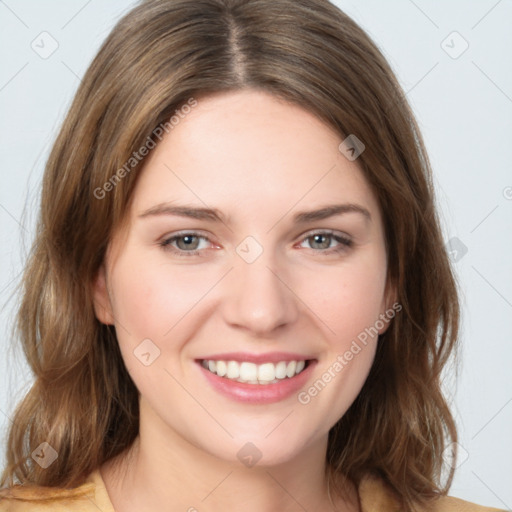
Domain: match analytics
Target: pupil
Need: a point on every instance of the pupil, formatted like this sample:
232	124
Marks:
318	238
187	240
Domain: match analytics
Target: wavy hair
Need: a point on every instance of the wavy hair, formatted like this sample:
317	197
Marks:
159	55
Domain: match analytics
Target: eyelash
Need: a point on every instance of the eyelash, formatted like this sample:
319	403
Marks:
344	242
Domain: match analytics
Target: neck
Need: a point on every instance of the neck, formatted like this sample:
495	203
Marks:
162	471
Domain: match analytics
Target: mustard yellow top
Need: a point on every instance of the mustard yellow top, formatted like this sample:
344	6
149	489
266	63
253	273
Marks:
92	496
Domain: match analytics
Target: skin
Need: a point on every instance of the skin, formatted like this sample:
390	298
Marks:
259	160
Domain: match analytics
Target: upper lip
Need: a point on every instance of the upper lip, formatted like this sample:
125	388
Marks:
269	357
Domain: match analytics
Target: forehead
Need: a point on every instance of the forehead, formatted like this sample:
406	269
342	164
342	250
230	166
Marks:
249	149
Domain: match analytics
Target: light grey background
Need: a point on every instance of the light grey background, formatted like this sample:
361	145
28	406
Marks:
463	102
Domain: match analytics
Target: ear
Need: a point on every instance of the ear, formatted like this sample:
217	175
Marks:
390	307
101	299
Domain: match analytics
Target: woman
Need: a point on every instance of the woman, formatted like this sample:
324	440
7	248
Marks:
238	296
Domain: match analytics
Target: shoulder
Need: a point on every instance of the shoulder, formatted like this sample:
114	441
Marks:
375	496
33	498
452	504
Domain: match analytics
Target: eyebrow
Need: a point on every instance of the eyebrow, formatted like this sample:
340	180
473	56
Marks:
215	215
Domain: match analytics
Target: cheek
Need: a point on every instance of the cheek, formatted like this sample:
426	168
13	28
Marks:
348	299
153	301
349	306
151	297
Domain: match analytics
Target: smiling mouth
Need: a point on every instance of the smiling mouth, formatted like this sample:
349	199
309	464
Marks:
251	373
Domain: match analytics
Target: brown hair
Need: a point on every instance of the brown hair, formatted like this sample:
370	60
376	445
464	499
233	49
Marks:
161	54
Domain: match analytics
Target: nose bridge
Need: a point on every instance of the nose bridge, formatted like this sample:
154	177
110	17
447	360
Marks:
259	299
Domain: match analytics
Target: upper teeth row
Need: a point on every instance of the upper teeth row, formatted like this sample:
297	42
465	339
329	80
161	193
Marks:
252	373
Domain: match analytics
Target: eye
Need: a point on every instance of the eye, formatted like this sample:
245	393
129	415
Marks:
187	243
323	240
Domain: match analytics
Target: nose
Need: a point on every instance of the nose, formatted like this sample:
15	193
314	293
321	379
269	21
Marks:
258	298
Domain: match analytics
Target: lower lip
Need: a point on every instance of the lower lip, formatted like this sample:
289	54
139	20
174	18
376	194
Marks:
258	393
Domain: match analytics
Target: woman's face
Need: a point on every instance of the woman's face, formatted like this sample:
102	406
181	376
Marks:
224	264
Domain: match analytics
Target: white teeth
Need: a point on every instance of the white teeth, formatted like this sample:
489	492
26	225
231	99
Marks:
290	369
281	370
222	368
266	373
233	370
248	371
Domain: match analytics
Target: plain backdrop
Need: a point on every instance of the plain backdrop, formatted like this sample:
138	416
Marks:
453	59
